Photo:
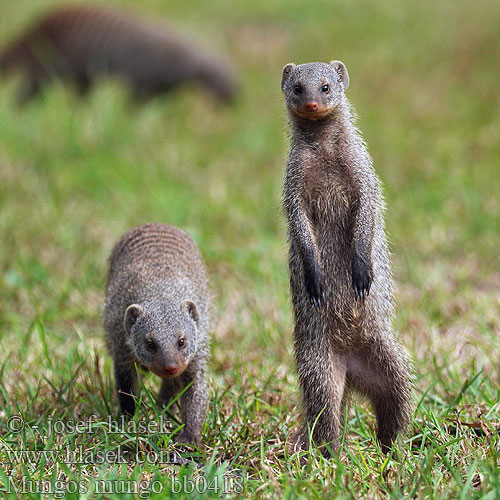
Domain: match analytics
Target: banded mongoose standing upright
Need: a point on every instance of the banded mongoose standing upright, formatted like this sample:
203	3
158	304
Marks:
80	44
340	277
156	316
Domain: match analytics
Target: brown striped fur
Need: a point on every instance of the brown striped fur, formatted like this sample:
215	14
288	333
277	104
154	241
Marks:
80	44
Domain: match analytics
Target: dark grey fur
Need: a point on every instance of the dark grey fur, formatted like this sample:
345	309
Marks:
340	276
80	44
157	293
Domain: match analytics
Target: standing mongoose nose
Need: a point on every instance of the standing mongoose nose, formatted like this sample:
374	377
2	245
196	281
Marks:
170	369
311	106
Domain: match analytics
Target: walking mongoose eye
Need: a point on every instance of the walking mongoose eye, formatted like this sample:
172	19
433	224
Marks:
156	316
151	345
340	276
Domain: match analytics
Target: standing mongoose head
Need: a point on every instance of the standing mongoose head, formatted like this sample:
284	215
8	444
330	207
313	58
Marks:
314	90
163	334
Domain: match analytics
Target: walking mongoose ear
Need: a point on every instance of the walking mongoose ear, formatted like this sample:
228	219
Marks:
132	314
286	73
341	70
192	311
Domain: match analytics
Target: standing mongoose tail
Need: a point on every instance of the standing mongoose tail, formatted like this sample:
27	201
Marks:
156	316
79	44
340	277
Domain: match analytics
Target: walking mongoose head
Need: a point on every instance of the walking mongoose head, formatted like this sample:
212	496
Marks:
314	90
163	335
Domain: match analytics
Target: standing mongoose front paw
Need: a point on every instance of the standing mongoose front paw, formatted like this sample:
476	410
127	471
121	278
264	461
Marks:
362	277
314	282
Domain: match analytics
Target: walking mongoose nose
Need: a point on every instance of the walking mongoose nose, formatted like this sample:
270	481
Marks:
340	275
156	316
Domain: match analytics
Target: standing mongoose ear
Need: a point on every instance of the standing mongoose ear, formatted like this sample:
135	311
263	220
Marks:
192	311
286	73
341	70
132	314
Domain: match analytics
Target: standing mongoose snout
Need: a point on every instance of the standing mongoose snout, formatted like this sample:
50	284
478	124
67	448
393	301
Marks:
340	276
156	316
79	44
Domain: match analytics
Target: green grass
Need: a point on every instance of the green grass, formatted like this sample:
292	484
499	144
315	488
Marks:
74	175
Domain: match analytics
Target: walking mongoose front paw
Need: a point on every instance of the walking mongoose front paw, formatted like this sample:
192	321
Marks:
186	438
362	276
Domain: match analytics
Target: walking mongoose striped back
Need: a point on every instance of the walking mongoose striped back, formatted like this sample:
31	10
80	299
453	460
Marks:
340	277
156	316
81	43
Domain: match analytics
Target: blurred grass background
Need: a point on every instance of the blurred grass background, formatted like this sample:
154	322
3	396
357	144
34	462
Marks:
75	174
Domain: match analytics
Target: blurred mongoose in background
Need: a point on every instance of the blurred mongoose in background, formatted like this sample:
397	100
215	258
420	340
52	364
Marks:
80	44
340	277
156	315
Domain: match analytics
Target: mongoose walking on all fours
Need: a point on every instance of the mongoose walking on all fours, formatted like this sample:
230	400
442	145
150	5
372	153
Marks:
340	277
80	44
156	316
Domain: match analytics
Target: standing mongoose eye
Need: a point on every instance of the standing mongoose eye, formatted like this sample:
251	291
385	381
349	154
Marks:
297	89
325	88
181	343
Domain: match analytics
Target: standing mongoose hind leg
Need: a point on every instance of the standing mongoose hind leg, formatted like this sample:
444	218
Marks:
381	374
322	377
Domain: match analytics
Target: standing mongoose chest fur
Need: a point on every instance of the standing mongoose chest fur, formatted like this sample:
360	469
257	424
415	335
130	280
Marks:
340	276
156	316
